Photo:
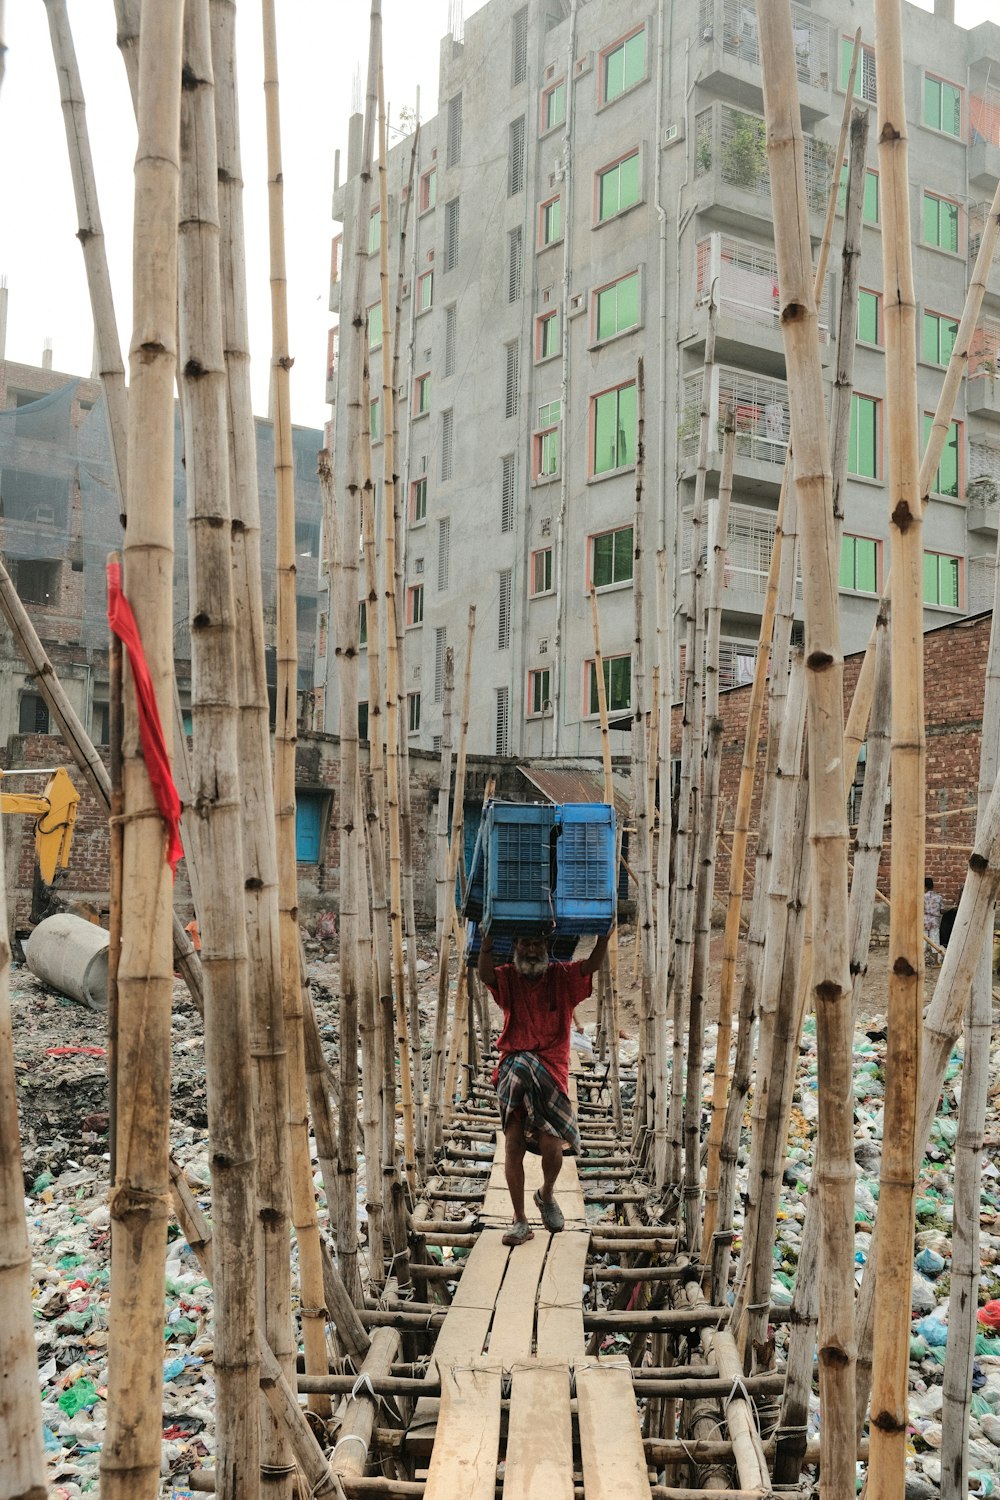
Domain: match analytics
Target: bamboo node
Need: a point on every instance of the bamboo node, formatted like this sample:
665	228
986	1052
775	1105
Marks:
886	1421
819	661
127	1200
902	966
834	1356
889	132
828	989
794	312
195	369
902	516
978	863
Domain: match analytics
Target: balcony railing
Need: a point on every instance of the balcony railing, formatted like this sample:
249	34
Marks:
736	22
745	277
749	544
760	406
982	488
978	215
984	118
733	143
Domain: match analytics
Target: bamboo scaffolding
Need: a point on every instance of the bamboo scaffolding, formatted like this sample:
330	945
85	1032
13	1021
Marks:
215	764
130	1459
611	988
824	669
664	653
443	799
897	1199
23	1474
379	1122
260	871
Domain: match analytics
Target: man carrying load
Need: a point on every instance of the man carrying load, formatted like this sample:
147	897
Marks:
538	998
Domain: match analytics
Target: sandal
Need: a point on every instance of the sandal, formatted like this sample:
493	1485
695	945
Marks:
552	1215
519	1233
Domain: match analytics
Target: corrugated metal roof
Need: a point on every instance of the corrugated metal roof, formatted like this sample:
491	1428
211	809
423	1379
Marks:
562	784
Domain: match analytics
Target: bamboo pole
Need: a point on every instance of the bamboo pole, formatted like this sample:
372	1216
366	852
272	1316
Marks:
443	799
611	986
373	1082
217	789
311	1308
130	1459
456	863
23	1472
260	871
824	669
664	653
897	1199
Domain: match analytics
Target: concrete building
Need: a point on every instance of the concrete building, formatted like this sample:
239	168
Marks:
593	170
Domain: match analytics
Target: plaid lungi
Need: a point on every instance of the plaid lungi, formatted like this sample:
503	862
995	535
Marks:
526	1084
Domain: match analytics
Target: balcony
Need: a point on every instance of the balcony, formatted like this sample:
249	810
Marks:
982	488
762	427
728	56
978	215
744	276
731	170
749	544
982	391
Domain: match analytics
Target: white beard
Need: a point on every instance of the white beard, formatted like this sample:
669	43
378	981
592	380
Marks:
530	968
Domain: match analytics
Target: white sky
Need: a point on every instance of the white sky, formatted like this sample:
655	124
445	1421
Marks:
323	48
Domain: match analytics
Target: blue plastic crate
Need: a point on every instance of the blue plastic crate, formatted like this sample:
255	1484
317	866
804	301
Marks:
519	895
562	948
475	887
585	894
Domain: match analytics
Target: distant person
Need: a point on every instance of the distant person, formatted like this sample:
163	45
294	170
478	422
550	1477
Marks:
194	933
538	999
933	907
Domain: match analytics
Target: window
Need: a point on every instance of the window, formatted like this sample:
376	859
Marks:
942	105
940	222
33	714
546	444
554	106
413	713
623	66
502	721
869	203
519	48
450	338
454	133
447	443
539	694
375	420
440	649
422	395
451	234
100	731
541	571
513	264
618	187
503	612
942	580
864	78
37	581
939	334
428	190
444	551
515	157
362	719
611	555
860	557
864	455
613	424
869	317
375	326
425	291
507	493
512	380
947	480
418	501
617	685
374	231
363	622
547	343
616	307
415	604
550	222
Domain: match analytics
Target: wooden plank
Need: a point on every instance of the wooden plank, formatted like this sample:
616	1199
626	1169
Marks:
467	1444
614	1464
514	1319
569	1192
539	1463
560	1311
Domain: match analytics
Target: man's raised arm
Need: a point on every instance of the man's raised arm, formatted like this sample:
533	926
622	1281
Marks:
593	963
486	968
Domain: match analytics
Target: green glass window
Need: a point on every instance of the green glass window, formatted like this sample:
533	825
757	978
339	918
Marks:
362	721
363	623
375	420
624	66
413	712
541	571
618	187
540	697
418	500
859	564
422	395
611	557
941	580
551	221
864	78
375	326
869	317
940	223
415	604
869	203
425	291
374	231
548	336
617	307
554	106
614	423
547	453
946	478
617	685
942	105
939	338
863	452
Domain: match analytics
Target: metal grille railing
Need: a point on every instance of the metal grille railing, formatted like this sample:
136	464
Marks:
760	406
983	484
746	281
980	582
984	349
733	142
749	544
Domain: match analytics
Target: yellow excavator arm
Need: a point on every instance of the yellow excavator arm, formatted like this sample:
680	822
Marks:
55	814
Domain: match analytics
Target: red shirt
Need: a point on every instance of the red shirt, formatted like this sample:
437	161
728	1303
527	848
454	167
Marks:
538	1013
